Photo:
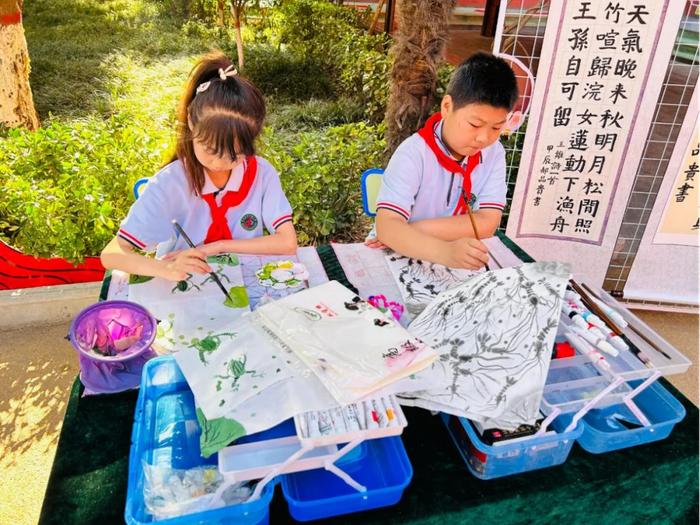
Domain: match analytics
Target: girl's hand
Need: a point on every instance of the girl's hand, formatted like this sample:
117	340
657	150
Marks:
213	248
179	264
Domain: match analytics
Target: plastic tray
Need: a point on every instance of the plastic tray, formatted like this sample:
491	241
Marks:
383	467
166	432
511	457
615	427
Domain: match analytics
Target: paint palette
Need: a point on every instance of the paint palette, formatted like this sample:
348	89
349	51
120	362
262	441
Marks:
282	274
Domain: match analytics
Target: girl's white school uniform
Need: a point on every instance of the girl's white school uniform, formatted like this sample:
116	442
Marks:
168	196
417	187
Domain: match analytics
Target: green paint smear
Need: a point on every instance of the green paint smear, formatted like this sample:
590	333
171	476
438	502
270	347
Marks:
224	258
217	433
238	297
138	279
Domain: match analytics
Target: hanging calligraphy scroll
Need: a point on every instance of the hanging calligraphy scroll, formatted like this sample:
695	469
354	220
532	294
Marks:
588	127
680	223
666	266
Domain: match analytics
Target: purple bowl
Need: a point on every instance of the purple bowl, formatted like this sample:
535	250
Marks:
112	331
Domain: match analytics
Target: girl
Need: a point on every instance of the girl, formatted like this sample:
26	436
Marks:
215	187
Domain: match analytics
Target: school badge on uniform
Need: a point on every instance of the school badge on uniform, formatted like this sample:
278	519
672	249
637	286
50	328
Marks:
249	222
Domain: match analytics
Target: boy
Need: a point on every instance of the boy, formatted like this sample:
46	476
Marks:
453	162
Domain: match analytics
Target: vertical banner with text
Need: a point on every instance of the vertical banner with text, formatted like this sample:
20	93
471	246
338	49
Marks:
597	86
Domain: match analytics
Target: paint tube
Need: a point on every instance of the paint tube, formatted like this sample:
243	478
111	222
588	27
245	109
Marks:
382	420
597	340
350	413
389	411
370	416
325	423
313	424
575	317
583	347
339	424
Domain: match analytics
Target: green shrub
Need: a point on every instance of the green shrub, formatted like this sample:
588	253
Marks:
334	39
314	114
320	172
64	188
513	145
284	74
363	67
311	26
205	10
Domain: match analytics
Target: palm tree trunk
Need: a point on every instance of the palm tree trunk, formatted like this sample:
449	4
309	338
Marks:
418	48
16	101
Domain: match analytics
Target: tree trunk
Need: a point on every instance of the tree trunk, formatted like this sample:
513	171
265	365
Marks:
236	12
16	101
418	47
221	11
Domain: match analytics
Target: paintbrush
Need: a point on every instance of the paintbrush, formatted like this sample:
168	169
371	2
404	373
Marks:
609	322
476	236
635	330
189	242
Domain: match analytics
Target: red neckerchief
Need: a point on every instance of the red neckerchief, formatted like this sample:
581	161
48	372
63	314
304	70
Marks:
427	132
219	226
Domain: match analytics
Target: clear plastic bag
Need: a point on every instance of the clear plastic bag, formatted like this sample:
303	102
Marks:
172	492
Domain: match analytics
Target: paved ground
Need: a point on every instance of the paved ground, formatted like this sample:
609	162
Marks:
38	366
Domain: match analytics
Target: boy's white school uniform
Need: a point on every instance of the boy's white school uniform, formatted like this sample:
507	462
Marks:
416	186
168	196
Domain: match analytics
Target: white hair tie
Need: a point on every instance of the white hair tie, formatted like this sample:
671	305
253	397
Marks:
203	87
230	71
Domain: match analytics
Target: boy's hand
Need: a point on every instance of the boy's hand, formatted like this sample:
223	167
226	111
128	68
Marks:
373	242
466	253
179	264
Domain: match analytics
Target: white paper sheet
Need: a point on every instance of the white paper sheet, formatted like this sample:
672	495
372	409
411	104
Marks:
352	347
420	282
195	312
494	334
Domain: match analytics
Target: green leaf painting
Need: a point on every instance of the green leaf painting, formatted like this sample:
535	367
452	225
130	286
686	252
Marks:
238	297
229	259
217	433
139	279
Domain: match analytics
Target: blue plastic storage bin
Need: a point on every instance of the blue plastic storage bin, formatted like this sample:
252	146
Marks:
615	427
166	432
522	455
382	466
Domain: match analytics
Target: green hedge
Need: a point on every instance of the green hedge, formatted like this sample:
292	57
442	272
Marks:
284	74
65	188
320	172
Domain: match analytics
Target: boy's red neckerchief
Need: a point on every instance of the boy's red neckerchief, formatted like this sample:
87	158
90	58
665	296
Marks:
219	229
427	132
